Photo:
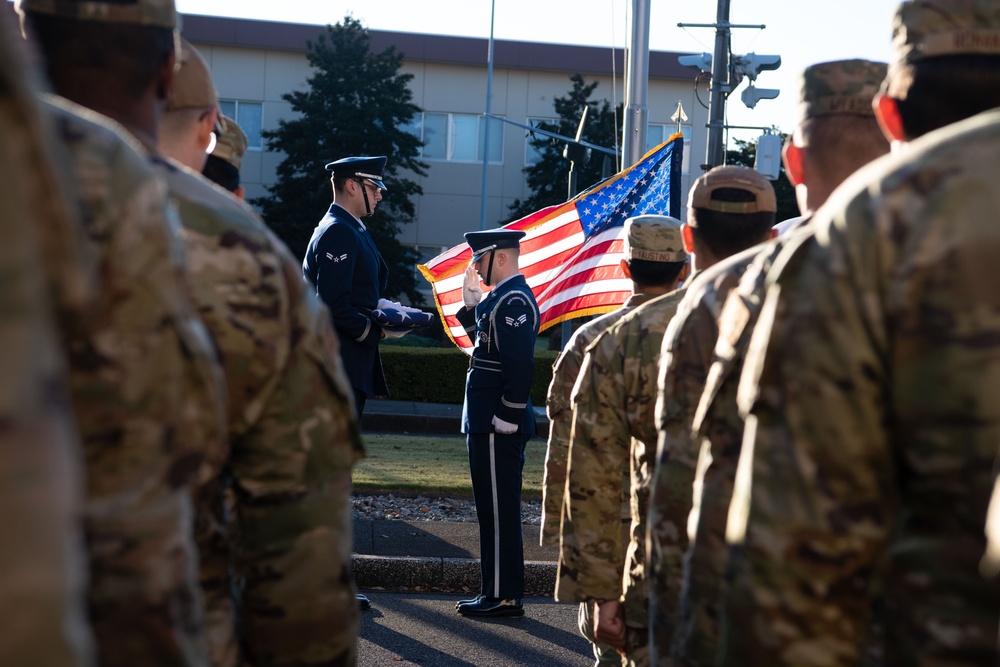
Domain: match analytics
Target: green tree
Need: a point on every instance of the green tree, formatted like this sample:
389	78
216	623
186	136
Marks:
549	177
356	103
744	155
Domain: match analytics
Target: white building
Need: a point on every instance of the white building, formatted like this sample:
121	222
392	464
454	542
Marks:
255	62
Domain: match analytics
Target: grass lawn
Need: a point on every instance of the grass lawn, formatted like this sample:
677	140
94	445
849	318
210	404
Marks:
432	464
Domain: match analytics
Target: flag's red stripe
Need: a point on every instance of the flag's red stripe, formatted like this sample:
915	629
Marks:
614	298
590	275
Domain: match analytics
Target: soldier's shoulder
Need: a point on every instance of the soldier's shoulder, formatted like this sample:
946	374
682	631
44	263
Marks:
650	314
200	202
98	143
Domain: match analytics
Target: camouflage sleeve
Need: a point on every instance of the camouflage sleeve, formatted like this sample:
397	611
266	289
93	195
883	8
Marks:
684	361
592	552
560	413
145	402
42	561
292	482
816	456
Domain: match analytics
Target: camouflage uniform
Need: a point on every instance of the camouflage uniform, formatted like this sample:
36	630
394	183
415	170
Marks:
613	430
875	425
42	560
276	502
293	439
701	430
273	502
684	359
646	238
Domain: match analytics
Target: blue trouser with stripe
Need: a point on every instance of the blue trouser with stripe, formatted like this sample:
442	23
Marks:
496	462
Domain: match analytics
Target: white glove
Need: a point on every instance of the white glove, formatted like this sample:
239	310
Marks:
502	427
394	334
472	293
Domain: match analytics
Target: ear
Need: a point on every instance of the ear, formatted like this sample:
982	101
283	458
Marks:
887	114
685	272
205	128
687	234
622	263
240	192
773	234
791	155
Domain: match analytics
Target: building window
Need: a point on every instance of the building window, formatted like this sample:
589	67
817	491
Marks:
532	155
249	116
457	137
656	134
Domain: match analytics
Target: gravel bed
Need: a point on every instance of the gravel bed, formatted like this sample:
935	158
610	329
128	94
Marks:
425	508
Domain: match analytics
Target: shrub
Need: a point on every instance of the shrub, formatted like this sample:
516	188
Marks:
437	375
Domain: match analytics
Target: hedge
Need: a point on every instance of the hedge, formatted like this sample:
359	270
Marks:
437	375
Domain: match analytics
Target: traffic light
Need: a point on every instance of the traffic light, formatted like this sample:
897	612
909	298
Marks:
752	95
702	62
752	64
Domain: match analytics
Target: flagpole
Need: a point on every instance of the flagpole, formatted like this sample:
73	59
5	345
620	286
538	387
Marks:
487	119
637	84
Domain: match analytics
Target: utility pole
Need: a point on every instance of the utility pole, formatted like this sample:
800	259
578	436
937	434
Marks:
715	153
488	119
720	87
637	86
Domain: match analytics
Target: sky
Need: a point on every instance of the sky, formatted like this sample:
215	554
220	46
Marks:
802	32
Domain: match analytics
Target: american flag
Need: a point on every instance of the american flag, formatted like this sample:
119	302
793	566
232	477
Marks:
571	252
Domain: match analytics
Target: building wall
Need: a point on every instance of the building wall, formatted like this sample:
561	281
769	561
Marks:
450	205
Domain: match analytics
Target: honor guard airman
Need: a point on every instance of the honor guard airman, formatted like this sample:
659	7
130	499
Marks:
349	274
498	417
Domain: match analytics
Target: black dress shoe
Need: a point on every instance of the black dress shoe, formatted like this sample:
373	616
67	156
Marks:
363	602
469	601
492	607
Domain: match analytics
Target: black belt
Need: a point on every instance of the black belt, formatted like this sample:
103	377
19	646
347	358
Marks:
484	364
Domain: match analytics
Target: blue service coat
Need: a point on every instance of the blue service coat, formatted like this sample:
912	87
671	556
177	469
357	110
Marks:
350	277
504	327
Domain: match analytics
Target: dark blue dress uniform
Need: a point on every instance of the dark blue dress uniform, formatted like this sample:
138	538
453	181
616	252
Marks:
504	326
350	277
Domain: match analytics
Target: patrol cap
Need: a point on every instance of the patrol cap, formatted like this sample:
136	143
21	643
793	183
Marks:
231	144
840	87
492	239
160	13
362	167
740	178
654	238
934	28
193	85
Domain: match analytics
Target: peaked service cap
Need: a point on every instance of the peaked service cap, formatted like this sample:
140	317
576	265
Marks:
492	239
362	167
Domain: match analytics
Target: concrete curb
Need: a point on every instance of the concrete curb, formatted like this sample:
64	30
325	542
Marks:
450	575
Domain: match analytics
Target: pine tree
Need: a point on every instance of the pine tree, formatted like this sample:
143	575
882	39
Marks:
356	103
549	177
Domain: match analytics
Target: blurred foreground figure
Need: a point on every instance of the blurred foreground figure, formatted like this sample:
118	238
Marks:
872	385
42	559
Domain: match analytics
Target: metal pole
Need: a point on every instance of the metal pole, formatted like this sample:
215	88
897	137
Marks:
487	119
637	84
720	87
